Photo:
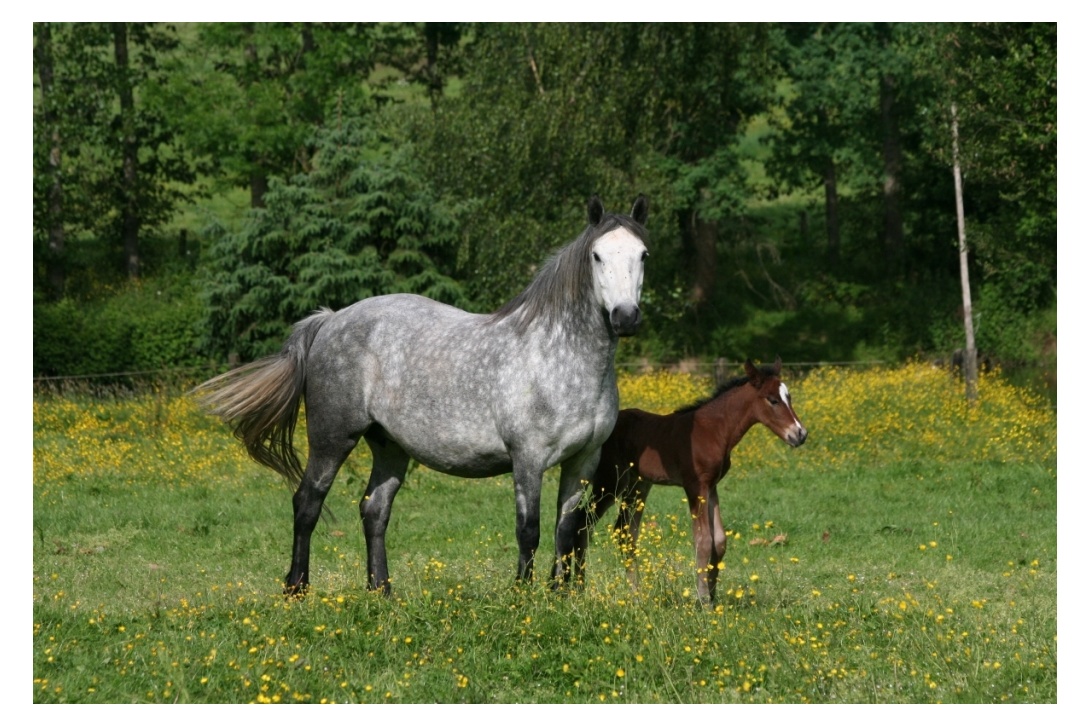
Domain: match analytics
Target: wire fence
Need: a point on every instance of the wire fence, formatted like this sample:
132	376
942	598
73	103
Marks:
129	382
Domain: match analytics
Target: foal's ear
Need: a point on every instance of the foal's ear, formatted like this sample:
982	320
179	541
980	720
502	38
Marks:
595	210
639	210
751	371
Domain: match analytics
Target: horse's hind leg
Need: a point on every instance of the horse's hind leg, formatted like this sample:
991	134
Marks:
387	474
323	462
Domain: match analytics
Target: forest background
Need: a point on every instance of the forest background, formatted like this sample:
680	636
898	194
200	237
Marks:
199	187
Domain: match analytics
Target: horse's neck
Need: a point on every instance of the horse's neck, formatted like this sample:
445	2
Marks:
731	415
584	339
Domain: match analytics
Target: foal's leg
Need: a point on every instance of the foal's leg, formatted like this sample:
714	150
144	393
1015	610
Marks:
387	474
573	518
700	510
325	459
633	501
719	541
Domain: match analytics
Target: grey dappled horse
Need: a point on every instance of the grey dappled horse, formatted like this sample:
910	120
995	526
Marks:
473	395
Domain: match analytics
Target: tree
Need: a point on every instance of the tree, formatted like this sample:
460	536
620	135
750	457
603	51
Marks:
252	95
1002	79
107	157
970	362
359	223
843	122
550	113
52	212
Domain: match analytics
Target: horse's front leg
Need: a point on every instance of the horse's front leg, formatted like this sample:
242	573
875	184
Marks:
573	518
387	474
325	460
700	512
527	475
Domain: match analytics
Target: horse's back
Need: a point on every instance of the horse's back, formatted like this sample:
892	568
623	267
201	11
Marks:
457	390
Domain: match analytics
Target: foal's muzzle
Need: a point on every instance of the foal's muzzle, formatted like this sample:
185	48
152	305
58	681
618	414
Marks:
625	319
796	436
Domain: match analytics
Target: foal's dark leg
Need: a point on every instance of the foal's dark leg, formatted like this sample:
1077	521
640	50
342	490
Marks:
387	474
700	510
633	500
324	461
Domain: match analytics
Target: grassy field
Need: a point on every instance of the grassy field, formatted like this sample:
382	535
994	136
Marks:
917	563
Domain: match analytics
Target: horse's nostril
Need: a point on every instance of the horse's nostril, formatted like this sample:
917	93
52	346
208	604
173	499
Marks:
625	319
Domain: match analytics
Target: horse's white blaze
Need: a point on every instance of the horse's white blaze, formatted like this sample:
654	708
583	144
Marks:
618	277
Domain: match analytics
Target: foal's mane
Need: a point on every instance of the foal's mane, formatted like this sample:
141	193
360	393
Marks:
764	370
564	276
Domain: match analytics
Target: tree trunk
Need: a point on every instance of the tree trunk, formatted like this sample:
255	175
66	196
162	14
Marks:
431	70
54	263
259	185
130	217
891	181
963	262
259	178
699	236
832	213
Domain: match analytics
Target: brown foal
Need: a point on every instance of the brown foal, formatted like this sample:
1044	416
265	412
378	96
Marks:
690	448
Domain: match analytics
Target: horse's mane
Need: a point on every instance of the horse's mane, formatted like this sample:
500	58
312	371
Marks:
764	370
565	276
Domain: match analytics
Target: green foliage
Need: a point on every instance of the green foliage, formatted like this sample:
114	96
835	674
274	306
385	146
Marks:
1003	79
146	325
251	94
359	224
472	148
80	138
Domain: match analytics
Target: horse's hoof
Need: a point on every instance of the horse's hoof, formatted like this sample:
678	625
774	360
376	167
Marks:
297	590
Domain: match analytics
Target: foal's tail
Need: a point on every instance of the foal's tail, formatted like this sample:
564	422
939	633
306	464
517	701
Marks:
260	400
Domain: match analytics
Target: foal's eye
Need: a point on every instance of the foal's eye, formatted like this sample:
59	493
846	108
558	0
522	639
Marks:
773	401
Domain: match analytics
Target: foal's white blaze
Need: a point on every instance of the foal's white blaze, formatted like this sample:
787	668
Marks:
786	397
618	268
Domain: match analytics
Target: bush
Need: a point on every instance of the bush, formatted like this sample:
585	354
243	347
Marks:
148	325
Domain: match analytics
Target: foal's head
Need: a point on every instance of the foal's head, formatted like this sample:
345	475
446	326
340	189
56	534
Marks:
772	406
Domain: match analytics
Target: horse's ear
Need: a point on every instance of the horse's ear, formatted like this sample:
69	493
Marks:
776	365
639	210
595	210
751	370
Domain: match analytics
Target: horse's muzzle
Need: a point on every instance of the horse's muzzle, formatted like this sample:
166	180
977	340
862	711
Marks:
625	319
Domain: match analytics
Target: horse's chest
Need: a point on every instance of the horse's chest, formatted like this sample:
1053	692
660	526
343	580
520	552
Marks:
566	413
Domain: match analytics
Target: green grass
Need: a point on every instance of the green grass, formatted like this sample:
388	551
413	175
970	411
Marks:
905	575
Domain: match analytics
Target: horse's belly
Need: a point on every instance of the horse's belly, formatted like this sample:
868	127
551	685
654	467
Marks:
457	454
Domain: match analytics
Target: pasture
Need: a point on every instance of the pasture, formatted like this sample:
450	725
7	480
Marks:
906	553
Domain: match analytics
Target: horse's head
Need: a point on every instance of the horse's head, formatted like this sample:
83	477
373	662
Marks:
617	257
773	405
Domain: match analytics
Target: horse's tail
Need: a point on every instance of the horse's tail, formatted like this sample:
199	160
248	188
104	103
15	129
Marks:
260	400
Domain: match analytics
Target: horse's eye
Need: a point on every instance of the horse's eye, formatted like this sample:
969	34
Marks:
596	258
645	255
773	401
